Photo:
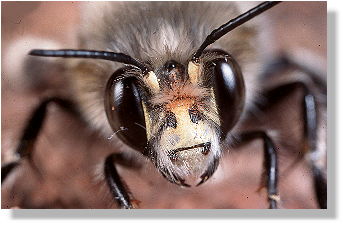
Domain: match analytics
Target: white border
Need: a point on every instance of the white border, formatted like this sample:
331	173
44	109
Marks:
171	216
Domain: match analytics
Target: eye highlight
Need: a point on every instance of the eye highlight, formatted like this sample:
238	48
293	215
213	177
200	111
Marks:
124	110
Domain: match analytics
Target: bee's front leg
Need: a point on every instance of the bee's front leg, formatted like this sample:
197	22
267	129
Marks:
270	163
117	187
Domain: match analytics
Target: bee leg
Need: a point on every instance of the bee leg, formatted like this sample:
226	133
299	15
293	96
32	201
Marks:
117	187
310	116
31	131
270	164
310	132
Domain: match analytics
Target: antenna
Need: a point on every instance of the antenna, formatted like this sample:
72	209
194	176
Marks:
232	24
70	53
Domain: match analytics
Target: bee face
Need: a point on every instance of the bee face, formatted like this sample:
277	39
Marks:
183	125
177	116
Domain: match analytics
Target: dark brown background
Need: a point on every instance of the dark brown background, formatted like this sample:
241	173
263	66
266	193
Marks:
67	153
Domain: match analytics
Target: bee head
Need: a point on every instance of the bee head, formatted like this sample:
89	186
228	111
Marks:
176	114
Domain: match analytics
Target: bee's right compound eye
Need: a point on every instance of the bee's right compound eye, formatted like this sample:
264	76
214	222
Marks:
124	110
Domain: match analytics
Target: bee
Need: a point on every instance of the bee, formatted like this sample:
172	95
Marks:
173	85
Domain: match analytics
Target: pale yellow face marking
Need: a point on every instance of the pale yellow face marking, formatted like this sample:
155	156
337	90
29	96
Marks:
194	72
188	133
147	121
152	82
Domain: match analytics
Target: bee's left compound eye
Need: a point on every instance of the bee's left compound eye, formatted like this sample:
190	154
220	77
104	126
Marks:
229	92
124	110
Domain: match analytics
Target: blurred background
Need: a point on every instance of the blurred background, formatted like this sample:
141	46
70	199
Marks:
68	155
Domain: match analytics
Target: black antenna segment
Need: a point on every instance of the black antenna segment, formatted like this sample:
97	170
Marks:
232	24
70	53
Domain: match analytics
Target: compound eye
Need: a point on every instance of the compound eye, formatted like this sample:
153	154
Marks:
124	110
229	91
